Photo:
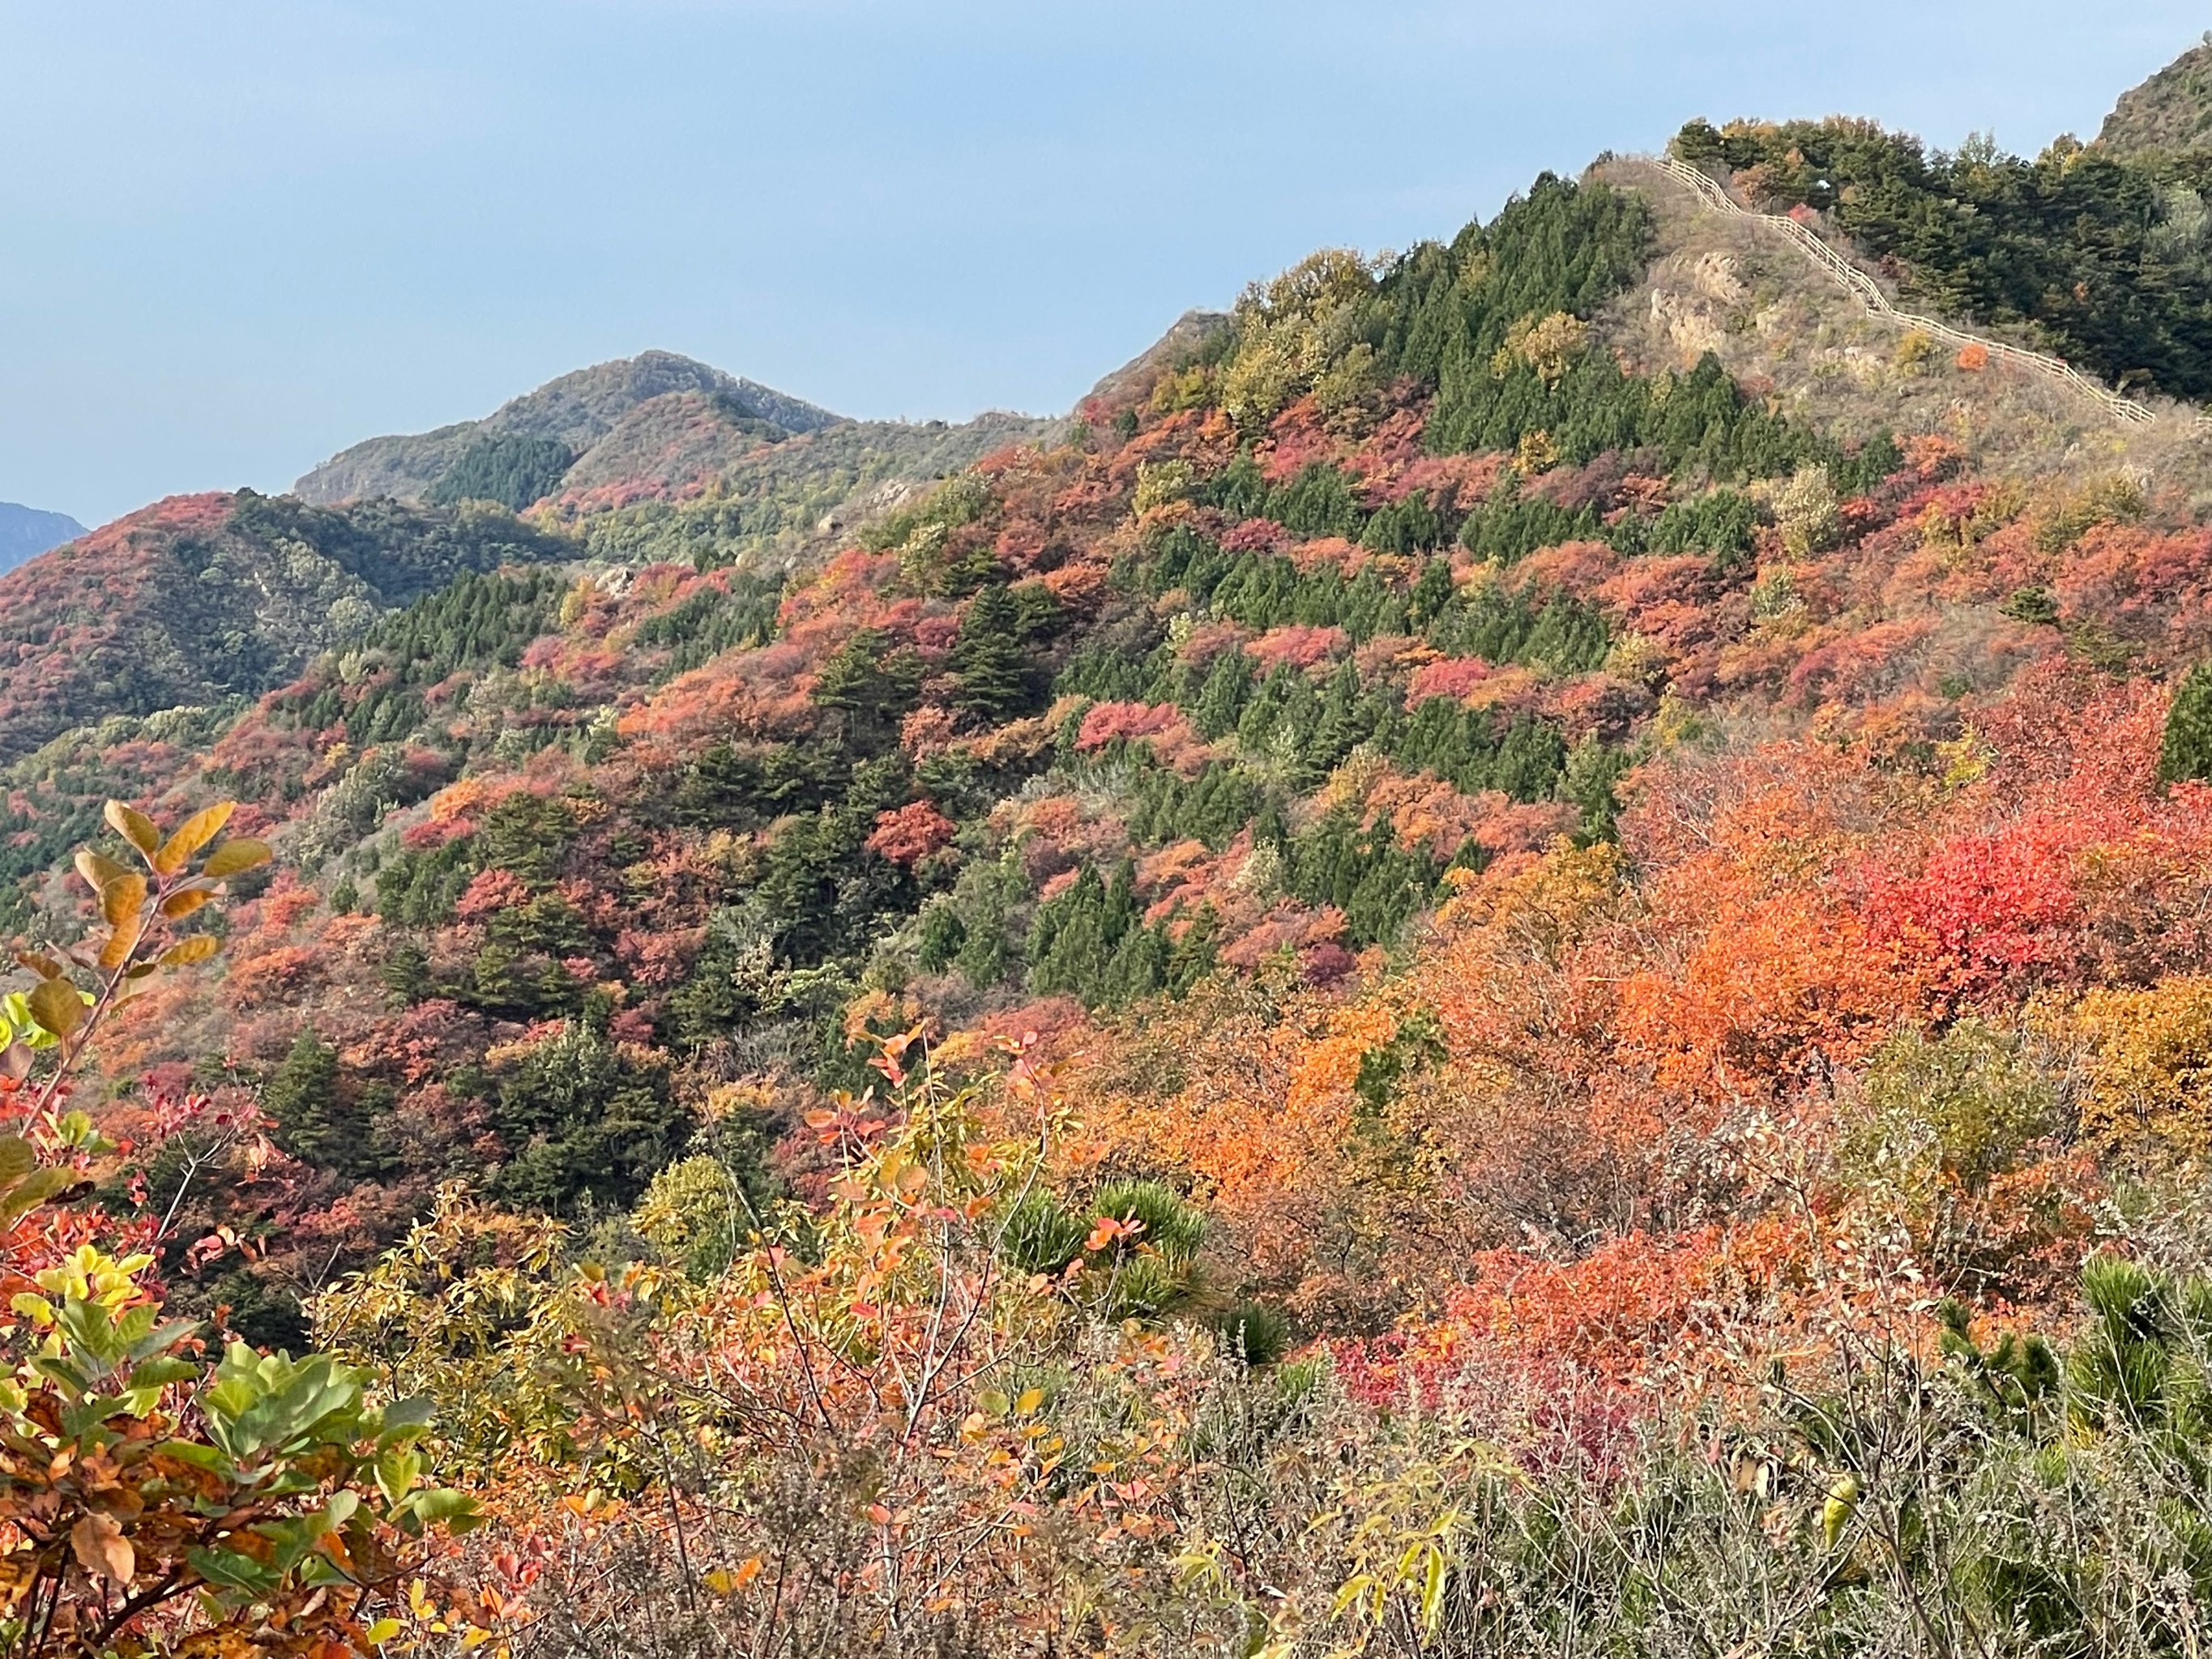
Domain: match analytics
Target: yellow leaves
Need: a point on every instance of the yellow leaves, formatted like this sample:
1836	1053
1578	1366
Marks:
89	1275
98	870
1913	349
56	1009
2149	1072
166	857
432	1619
1535	453
1547	344
236	856
182	903
121	899
1296	331
1162	483
1548	904
35	1308
1964	759
115	949
724	1581
1433	1587
101	1546
2064	516
197	948
1836	1513
194	833
135	827
57	1005
122	907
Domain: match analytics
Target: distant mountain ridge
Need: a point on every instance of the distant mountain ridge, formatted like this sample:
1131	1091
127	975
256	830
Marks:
579	411
202	598
27	532
663	456
199	598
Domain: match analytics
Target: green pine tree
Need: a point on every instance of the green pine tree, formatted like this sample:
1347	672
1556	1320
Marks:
1138	967
1068	947
987	659
319	1119
1222	698
2186	753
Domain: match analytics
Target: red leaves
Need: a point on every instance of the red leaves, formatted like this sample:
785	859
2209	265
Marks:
1983	909
488	893
1301	645
1108	722
910	834
1162	726
1447	677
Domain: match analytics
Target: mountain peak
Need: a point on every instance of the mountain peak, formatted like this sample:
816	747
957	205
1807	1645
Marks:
582	406
573	412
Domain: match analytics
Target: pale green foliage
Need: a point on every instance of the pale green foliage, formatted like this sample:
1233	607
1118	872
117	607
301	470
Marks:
1957	1108
1161	482
1805	512
1774	596
1300	333
694	1213
467	1306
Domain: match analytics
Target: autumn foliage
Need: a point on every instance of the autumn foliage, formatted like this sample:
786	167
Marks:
1206	1036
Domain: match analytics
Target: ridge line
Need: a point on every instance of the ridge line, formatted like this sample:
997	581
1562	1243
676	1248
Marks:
1871	298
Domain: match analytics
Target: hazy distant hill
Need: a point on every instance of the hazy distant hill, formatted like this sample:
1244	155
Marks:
533	440
660	456
26	533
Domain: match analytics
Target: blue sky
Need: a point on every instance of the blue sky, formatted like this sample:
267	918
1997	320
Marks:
241	234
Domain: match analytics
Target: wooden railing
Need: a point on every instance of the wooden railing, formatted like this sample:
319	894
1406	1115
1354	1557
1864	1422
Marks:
1869	293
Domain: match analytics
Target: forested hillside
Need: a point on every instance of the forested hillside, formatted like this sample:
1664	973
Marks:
1509	957
2170	115
201	597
